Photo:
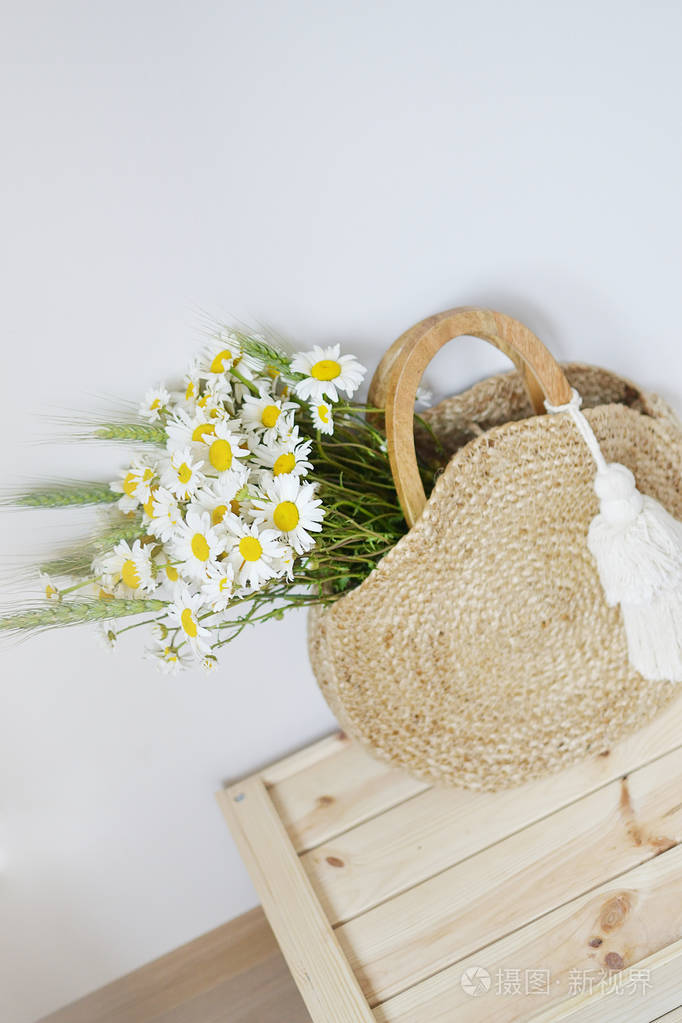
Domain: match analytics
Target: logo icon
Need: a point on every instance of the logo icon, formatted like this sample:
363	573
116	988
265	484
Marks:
475	981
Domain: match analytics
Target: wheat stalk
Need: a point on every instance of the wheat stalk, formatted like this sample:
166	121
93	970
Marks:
78	612
267	353
62	496
143	433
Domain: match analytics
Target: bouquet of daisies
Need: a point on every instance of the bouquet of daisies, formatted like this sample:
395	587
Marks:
256	486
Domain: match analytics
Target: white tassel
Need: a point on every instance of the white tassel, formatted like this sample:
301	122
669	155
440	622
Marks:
637	545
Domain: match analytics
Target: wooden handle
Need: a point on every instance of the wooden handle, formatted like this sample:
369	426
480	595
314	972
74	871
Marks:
394	385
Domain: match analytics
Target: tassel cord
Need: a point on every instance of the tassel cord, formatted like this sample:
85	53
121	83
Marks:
586	432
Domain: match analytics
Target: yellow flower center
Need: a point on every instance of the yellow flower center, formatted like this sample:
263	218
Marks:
285	516
184	473
171	573
323	413
269	416
103	595
250	548
200	548
201	402
218	514
188	623
235	506
129	574
223	584
218	364
202	430
50	591
189	393
220	455
283	464
325	369
129	484
149	506
154	405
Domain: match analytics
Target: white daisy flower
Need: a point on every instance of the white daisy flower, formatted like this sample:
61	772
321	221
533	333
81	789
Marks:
170	659
321	414
219	355
285	457
293	510
255	555
209	662
267	416
184	614
216	398
424	397
166	514
224	446
126	570
135	485
197	544
219	585
156	401
191	385
183	475
168	575
219	496
49	589
326	372
189	429
106	636
225	353
285	564
148	506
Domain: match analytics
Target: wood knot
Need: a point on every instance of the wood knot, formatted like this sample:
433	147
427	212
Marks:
325	800
595	942
334	861
614	961
614	912
661	845
625	800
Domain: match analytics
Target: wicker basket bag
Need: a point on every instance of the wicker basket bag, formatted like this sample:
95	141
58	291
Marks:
481	651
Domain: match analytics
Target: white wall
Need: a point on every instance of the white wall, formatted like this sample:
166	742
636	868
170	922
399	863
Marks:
338	172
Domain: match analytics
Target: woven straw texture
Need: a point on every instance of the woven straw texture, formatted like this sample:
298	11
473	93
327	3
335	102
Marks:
480	652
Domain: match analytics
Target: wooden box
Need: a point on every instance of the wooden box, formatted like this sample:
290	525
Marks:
396	902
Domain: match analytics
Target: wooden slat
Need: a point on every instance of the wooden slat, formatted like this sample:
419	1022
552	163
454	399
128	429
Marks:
305	759
664	971
305	936
623	921
531	872
671	1017
334	785
436	829
338	792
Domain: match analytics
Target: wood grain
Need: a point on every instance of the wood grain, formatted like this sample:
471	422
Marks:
397	377
334	794
235	972
437	828
305	759
671	1017
321	971
615	926
507	885
664	971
